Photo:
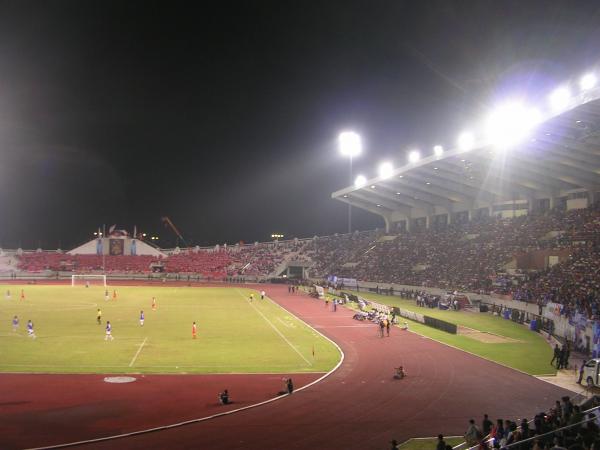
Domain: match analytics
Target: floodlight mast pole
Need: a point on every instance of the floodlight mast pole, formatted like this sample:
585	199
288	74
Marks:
349	204
103	252
350	145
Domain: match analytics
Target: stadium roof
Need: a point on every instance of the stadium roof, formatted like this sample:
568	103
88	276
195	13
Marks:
561	155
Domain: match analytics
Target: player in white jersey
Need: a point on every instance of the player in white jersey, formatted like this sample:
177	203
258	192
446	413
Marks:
30	331
108	331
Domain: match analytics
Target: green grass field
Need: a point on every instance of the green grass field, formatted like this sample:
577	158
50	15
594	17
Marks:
234	335
531	354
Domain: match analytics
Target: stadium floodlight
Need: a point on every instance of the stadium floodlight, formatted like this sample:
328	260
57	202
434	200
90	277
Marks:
360	181
350	143
438	151
386	170
560	98
466	141
510	123
588	81
414	156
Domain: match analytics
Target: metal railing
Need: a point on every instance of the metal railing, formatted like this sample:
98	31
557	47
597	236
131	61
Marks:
489	440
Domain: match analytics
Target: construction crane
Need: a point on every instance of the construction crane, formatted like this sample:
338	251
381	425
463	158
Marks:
170	224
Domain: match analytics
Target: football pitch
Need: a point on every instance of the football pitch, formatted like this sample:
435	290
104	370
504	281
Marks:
234	335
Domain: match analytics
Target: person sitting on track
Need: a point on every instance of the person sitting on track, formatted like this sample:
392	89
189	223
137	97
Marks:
224	397
400	373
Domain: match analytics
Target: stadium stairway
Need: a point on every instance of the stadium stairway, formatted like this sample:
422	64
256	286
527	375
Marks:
7	264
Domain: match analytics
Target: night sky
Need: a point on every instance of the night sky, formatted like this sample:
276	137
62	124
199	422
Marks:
224	116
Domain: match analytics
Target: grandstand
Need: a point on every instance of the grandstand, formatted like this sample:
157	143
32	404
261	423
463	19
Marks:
556	165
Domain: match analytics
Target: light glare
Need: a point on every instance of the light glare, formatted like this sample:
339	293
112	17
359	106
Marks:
510	123
466	141
438	150
588	81
386	170
414	156
350	143
360	181
560	98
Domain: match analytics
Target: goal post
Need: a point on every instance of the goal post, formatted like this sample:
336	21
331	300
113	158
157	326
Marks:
85	279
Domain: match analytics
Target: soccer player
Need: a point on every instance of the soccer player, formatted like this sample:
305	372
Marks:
108	331
7	294
106	295
262	295
153	303
142	318
30	331
15	324
99	317
251	298
114	294
194	330
22	294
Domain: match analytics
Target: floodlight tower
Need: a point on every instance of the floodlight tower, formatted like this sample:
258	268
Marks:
350	145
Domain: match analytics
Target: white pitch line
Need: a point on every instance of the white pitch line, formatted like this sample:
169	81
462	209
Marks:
138	352
275	328
283	323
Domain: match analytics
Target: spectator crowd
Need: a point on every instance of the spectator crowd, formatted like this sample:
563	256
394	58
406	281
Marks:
465	257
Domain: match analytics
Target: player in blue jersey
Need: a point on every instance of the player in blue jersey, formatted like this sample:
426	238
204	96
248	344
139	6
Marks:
142	318
108	331
15	324
30	331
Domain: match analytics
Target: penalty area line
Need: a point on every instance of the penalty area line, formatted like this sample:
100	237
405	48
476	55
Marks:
138	352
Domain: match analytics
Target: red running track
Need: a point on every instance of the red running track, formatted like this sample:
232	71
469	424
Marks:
359	406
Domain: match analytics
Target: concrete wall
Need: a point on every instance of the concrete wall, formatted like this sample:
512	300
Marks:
89	248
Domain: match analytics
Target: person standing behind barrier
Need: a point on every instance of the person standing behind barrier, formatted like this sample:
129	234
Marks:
381	327
486	425
556	356
560	358
473	434
441	444
387	327
334	305
581	371
567	354
498	432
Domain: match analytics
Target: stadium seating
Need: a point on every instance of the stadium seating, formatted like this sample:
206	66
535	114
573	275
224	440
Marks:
37	262
467	257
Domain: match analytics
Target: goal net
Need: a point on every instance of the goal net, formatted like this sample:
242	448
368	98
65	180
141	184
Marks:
88	280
